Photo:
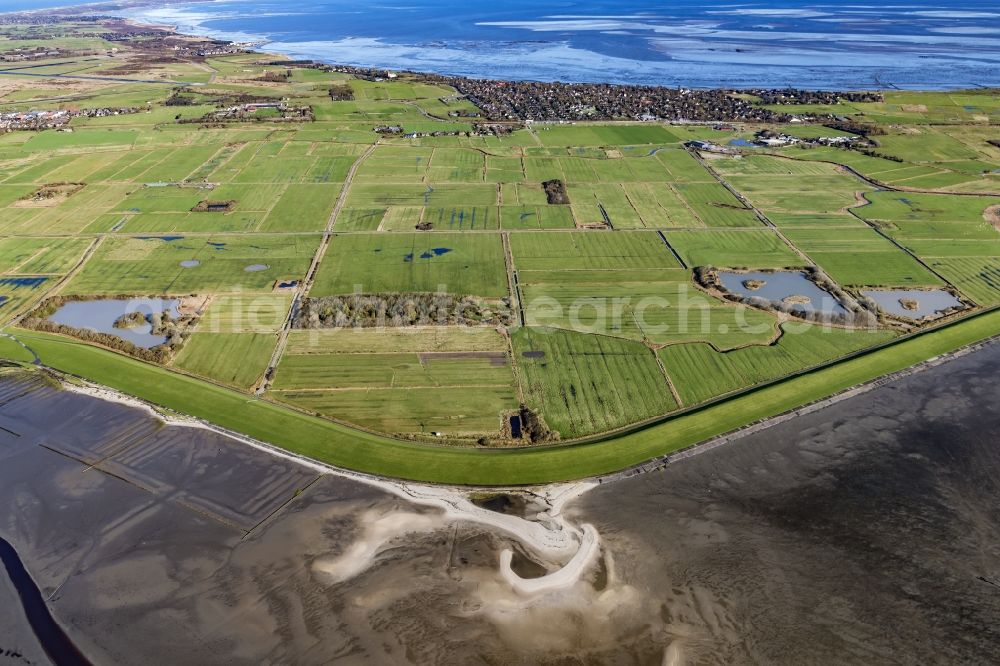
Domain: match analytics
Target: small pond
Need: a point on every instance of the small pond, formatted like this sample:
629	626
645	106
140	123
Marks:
927	302
255	268
515	426
780	285
101	315
190	263
742	143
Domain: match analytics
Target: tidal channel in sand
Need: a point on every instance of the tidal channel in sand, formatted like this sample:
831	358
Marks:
864	530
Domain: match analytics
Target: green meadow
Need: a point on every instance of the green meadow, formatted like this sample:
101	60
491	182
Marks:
613	352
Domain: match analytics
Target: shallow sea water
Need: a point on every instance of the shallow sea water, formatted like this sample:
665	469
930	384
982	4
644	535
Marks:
702	44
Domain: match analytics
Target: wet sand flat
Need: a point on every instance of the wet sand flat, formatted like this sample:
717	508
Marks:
861	533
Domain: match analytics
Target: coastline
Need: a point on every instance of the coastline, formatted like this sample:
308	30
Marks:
569	551
549	536
622	438
705	61
557	494
671	539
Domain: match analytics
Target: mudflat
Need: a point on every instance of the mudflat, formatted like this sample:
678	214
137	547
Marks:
800	541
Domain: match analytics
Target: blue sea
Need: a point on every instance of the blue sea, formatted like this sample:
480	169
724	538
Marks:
703	43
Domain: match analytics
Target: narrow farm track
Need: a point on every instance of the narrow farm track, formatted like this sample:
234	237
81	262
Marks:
756	211
898	245
512	286
303	288
879	185
88	253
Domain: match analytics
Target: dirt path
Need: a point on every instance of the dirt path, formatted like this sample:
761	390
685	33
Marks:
306	282
860	201
30	305
992	215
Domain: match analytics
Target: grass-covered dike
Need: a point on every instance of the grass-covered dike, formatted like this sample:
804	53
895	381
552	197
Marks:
360	451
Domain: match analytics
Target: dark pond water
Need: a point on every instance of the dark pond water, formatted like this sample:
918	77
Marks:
100	315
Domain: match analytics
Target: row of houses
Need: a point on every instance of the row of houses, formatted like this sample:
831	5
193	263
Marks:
57	119
33	120
29	54
773	140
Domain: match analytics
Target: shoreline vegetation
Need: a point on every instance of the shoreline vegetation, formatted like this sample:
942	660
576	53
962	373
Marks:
536	189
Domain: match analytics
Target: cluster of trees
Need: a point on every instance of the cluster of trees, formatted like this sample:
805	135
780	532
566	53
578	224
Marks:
275	77
555	192
341	92
883	156
130	320
176	331
794	96
854	127
177	99
533	427
396	310
182	97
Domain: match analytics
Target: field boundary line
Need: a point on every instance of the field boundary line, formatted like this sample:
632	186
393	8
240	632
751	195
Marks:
87	254
880	185
733	436
306	284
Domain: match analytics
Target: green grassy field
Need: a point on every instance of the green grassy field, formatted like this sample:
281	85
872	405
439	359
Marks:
148	265
589	383
455	381
700	372
238	359
608	328
331	443
375	263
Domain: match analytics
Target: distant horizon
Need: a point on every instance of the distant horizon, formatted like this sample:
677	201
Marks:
920	45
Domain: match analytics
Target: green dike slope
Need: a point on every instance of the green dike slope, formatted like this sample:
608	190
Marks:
351	449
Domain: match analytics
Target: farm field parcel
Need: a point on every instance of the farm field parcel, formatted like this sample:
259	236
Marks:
368	270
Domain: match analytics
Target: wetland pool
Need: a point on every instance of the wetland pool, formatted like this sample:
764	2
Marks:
100	315
779	285
924	302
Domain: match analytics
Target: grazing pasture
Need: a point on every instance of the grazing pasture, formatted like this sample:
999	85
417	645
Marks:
471	264
400	189
152	264
734	249
236	359
700	372
417	380
582	384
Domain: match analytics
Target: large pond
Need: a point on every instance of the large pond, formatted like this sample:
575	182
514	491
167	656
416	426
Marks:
101	315
778	286
922	302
